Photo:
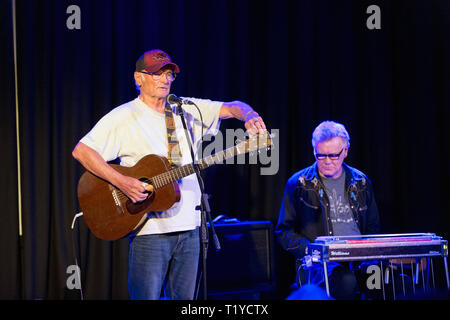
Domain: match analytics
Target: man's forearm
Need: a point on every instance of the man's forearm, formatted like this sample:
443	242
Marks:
93	162
242	111
237	109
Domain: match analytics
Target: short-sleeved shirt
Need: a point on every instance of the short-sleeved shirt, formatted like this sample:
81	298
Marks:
134	130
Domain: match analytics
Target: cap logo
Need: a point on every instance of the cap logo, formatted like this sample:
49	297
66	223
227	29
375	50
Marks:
160	56
154	60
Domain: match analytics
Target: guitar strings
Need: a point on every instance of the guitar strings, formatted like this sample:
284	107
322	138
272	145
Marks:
165	178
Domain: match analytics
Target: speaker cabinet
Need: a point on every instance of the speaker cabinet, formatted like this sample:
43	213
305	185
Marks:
245	263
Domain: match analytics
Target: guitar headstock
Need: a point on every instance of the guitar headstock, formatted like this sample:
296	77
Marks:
256	143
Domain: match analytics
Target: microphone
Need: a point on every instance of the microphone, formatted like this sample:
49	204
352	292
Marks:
173	99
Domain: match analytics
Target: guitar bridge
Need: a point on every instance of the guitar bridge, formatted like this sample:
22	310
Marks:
117	201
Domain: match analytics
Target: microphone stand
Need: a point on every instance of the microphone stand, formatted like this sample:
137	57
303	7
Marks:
204	205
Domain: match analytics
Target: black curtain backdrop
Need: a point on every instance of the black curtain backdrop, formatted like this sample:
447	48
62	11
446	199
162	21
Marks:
296	62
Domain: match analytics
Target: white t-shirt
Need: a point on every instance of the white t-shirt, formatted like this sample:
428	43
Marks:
134	130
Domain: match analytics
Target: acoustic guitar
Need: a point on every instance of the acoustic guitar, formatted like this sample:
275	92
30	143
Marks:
111	215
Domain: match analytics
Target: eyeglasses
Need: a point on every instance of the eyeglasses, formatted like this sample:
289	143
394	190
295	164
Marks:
157	75
331	156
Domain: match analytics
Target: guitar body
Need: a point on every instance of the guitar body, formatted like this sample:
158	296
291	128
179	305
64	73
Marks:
109	214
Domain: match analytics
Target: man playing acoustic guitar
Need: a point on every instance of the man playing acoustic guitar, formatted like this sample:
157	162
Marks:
165	251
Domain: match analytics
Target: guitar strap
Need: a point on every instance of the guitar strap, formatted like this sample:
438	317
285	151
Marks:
174	152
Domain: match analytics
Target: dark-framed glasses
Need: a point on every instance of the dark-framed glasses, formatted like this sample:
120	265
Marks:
331	156
157	75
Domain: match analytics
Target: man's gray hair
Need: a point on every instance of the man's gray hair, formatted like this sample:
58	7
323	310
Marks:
328	130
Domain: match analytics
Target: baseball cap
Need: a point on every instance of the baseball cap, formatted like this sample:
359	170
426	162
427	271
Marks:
154	60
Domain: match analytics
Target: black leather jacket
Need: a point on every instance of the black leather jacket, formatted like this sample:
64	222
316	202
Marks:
304	213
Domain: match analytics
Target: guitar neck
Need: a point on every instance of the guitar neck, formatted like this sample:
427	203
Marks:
178	173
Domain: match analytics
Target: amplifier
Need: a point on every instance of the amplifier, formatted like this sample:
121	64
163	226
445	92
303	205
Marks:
245	262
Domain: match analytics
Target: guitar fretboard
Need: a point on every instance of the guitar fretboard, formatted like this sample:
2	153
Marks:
180	172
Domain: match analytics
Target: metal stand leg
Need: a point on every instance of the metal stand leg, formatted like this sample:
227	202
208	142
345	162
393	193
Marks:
325	272
403	278
393	281
432	272
446	273
413	278
427	273
423	278
299	280
382	279
416	278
